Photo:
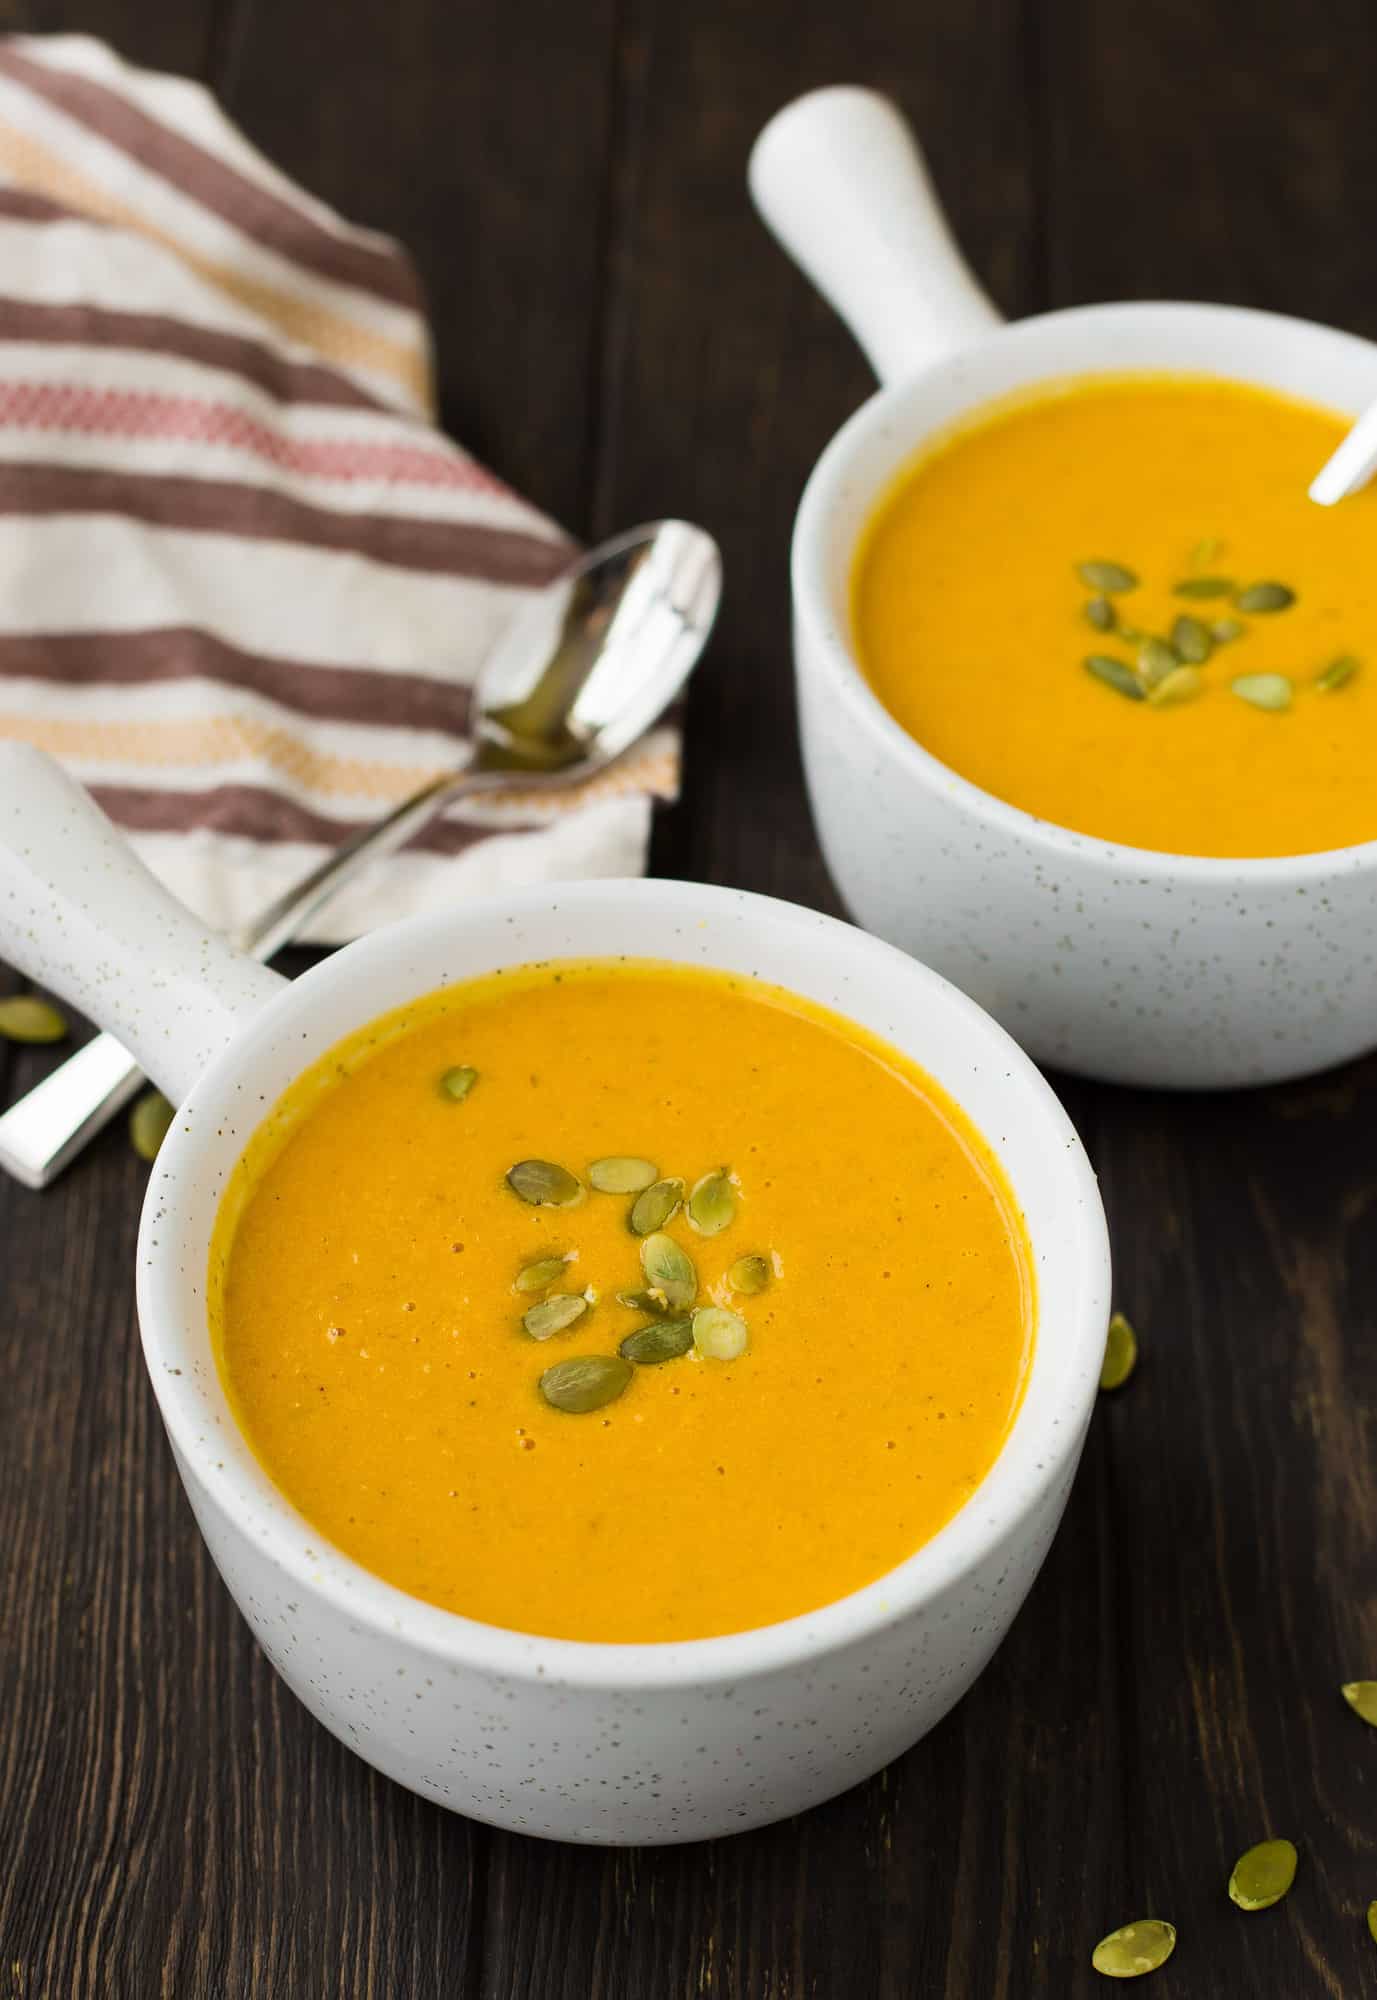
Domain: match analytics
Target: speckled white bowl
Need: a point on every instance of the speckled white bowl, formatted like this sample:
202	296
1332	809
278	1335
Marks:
606	1743
1133	966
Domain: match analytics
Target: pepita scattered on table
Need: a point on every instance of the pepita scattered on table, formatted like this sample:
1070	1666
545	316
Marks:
1361	1697
1120	1353
1135	1949
1263	1875
26	1018
149	1122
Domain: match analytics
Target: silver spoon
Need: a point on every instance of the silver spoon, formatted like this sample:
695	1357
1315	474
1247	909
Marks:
584	671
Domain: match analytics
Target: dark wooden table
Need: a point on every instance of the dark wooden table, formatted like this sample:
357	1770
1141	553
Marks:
618	337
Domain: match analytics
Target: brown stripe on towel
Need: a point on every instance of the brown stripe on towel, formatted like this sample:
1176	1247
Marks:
232	507
300	382
179	652
19	205
242	202
253	812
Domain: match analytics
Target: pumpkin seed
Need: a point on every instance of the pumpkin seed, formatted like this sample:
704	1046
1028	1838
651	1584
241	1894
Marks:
1204	553
457	1083
645	1302
552	1315
655	1206
663	1340
719	1335
535	1277
621	1173
1135	1949
1181	684
1361	1697
1156	659
1115	674
669	1269
749	1275
712	1204
148	1124
544	1185
1100	613
1338	673
1264	597
1204	586
1263	1875
1131	634
1372	1921
1192	640
1106	577
1120	1353
585	1382
1225	629
26	1018
1263	690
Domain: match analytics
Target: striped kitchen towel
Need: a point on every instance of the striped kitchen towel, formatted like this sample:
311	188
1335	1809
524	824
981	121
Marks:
245	585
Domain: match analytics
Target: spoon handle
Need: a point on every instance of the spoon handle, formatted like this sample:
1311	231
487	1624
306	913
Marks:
45	1130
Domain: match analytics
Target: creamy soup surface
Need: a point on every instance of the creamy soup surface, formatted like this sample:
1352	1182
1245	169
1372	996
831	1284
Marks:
970	616
371	1335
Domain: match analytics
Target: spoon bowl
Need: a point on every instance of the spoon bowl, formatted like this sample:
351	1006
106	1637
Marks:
592	662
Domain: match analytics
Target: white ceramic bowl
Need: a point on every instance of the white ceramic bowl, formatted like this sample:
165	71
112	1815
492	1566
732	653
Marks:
1121	963
607	1743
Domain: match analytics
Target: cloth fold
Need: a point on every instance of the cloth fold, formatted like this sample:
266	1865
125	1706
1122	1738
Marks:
245	585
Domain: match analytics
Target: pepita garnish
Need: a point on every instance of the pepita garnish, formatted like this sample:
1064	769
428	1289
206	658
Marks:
1271	691
655	1206
621	1173
149	1121
1263	1875
1100	613
749	1275
719	1334
1156	659
1120	1353
645	1302
1204	586
459	1081
662	1340
1191	640
538	1276
544	1185
1361	1697
1264	597
1222	630
1181	684
712	1204
669	1269
1204	553
554	1314
1338	673
585	1382
26	1018
1135	1949
1115	674
1106	577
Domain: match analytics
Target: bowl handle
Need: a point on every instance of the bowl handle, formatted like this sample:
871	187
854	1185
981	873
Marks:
837	175
81	914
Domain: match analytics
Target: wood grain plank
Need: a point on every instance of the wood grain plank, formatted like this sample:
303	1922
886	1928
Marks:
479	136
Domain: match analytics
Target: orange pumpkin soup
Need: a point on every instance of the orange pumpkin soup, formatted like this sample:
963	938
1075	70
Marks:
1113	605
619	1301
